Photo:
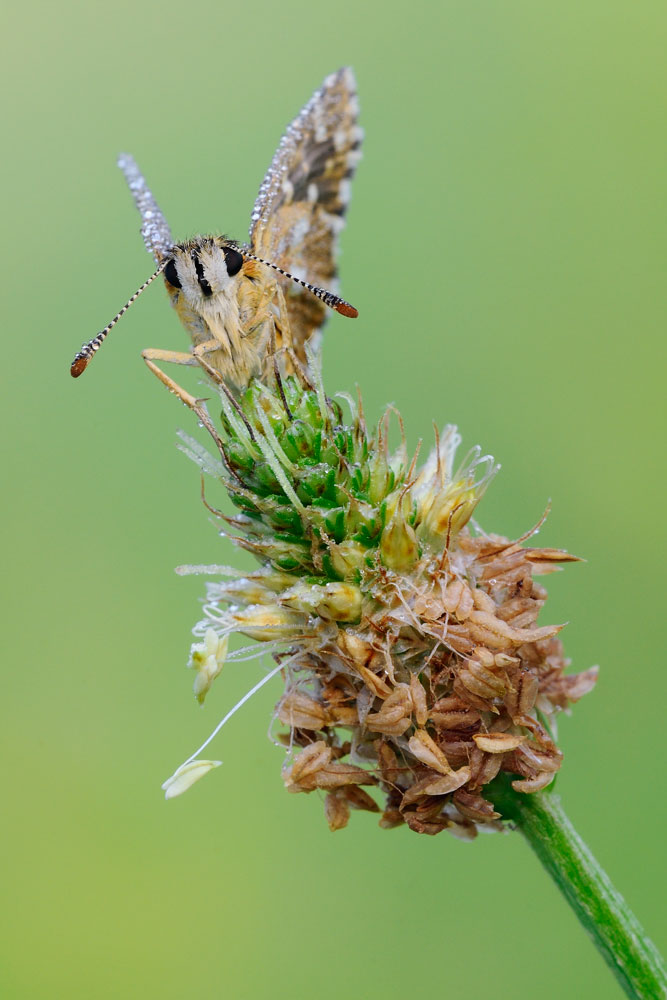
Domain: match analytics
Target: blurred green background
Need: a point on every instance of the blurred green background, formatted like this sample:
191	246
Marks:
506	249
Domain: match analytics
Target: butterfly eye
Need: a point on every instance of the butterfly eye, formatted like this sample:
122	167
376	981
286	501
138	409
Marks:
171	274
233	261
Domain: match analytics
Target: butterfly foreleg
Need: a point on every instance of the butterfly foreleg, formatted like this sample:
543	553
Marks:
183	394
197	406
191	358
153	354
173	357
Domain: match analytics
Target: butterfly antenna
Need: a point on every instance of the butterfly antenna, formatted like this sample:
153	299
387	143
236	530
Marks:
88	350
329	299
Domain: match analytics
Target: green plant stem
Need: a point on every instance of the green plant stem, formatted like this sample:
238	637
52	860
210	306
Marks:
617	933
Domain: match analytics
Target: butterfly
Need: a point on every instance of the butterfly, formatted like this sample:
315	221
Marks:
243	304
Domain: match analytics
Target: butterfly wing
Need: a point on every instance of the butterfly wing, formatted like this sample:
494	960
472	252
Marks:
301	203
154	227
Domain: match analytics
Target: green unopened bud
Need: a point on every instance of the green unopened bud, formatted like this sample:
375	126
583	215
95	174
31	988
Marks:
346	560
445	513
339	602
282	517
363	521
257	588
399	548
381	478
316	482
237	456
265	478
330	520
286	555
257	397
268	622
304	405
301	440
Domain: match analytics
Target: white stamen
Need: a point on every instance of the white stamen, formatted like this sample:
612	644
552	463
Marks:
246	697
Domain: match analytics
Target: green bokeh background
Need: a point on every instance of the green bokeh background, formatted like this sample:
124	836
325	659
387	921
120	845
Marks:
506	250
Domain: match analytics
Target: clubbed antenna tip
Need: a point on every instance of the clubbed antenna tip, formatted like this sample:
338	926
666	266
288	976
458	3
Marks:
345	309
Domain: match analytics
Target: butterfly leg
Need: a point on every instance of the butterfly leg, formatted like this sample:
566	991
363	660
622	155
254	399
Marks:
201	350
196	405
153	354
191	358
174	357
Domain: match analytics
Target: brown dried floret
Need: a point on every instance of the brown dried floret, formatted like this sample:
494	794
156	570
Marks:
419	702
498	742
388	761
446	681
563	690
452	712
314	768
484	767
360	799
391	818
336	810
474	807
429	822
427	751
433	785
300	711
395	715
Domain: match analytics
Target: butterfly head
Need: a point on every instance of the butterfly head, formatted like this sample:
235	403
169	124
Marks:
203	269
